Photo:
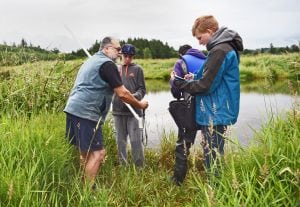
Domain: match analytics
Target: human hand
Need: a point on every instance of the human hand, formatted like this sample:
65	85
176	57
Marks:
189	76
144	104
172	75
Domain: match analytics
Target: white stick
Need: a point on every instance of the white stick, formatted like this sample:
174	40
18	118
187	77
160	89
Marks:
89	55
79	43
140	120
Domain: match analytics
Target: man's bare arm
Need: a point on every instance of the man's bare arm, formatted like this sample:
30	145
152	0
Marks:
127	97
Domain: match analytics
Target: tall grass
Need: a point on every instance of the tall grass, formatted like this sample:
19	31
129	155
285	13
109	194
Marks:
265	86
45	85
10	55
267	65
38	168
157	68
39	86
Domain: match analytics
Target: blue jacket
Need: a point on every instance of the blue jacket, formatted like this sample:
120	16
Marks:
217	85
91	96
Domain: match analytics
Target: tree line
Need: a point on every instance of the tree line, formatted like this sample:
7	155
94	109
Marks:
273	50
145	49
23	52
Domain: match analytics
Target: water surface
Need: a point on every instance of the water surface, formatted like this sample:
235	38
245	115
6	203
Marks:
255	109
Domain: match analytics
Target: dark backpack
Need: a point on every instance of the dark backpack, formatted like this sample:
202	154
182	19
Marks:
183	113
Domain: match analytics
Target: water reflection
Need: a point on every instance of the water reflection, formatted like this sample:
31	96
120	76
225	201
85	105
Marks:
285	86
255	109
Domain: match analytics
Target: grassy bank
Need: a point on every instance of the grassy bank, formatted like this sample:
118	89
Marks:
45	85
272	67
258	67
39	86
38	168
251	67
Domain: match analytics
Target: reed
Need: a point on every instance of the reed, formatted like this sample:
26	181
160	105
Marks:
39	168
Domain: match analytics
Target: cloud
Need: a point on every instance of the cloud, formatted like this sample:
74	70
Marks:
41	22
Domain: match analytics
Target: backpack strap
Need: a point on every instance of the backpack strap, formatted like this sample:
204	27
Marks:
184	67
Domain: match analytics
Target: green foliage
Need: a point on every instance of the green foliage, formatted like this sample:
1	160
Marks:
154	85
147	53
13	55
156	68
145	49
24	53
285	86
271	67
272	50
35	169
33	87
246	75
36	86
158	49
39	168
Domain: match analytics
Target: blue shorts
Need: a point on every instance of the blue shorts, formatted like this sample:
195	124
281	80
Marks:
81	133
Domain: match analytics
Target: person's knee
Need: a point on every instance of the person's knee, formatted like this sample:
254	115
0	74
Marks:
99	155
183	149
102	154
180	152
83	157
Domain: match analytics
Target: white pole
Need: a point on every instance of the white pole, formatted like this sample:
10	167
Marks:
79	43
140	120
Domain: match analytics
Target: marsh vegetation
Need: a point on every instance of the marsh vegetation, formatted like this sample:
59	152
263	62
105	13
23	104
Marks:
39	168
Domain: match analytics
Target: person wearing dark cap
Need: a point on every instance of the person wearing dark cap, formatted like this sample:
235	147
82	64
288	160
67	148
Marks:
125	123
89	102
190	61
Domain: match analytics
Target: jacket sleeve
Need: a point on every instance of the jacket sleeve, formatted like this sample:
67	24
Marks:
141	87
212	75
176	92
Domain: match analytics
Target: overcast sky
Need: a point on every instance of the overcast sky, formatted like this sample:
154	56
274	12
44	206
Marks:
41	22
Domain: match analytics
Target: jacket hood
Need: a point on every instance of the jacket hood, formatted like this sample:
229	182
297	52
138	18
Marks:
196	53
223	35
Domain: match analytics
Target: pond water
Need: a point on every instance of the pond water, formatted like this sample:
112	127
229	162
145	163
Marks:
255	109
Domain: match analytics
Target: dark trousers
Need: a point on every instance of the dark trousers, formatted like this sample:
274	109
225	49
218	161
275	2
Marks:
213	144
182	151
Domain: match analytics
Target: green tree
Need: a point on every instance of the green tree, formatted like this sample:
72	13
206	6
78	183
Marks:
23	43
294	48
272	49
147	53
55	50
95	47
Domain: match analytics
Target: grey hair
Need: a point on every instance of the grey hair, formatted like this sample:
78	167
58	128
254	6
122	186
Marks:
106	41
